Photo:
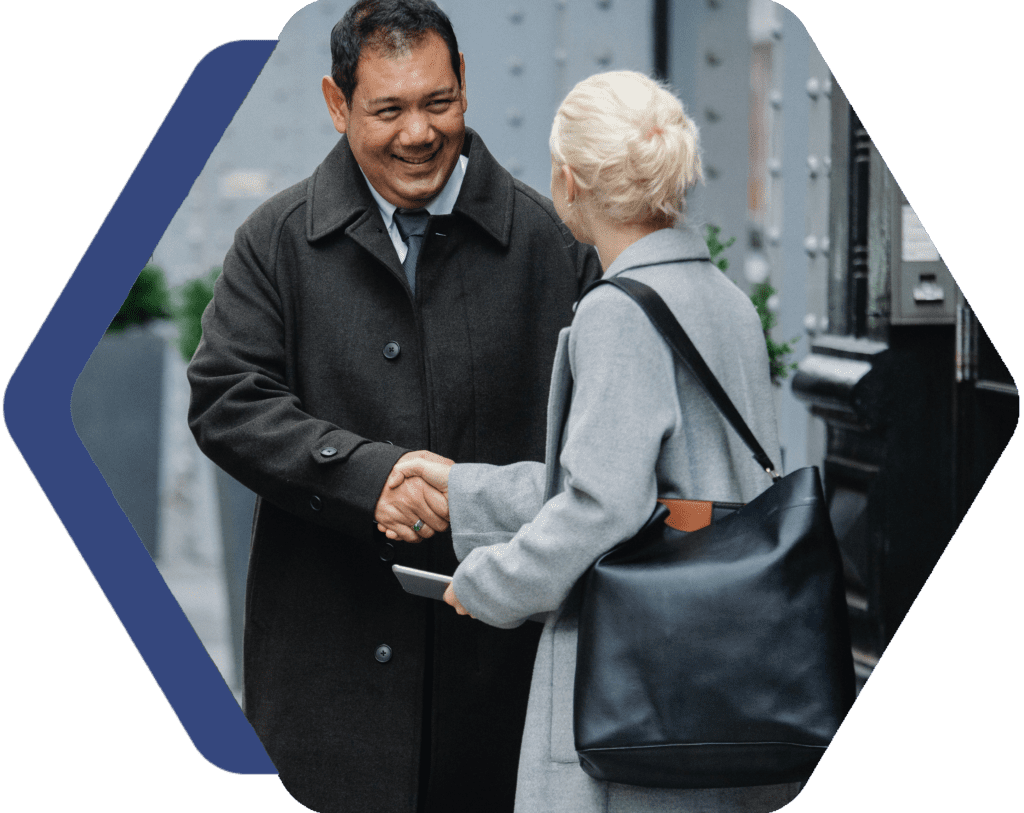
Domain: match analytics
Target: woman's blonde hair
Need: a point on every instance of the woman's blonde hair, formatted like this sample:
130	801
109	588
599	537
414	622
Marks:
627	140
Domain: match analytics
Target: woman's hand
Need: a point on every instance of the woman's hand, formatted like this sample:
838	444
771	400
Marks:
450	598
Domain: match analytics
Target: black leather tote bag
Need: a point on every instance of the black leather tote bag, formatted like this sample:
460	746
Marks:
716	657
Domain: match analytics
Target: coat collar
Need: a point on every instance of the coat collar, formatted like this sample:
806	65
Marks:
339	197
663	246
488	192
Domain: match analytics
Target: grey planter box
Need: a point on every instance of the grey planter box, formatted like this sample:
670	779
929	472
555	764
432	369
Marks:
115	408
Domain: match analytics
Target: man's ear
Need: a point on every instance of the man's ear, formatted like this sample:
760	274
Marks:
462	76
336	104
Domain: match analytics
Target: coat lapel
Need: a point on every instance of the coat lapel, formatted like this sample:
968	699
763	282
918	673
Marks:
340	199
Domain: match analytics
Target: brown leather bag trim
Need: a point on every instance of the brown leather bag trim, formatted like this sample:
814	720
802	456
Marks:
688	515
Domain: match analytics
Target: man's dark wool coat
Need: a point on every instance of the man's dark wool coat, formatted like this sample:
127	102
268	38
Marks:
317	370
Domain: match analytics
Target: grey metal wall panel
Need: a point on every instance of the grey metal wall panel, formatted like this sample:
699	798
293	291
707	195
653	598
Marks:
710	67
802	172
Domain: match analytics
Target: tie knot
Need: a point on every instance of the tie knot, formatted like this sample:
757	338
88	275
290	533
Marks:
411	222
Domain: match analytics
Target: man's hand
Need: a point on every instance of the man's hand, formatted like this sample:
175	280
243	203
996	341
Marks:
432	468
412	509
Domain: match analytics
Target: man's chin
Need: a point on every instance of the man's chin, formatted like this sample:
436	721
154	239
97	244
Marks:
423	190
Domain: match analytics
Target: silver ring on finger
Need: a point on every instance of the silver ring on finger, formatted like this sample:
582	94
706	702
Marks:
418	526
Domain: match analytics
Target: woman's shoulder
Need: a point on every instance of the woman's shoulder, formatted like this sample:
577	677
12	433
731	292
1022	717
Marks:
692	290
606	307
611	331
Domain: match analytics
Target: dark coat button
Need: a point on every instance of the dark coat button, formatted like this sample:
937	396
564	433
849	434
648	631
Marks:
316	503
391	350
383	653
387	552
328	451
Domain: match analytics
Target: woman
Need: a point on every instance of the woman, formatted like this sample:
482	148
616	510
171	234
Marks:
626	424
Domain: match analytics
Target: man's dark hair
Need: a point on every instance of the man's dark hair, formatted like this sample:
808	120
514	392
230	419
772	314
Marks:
390	26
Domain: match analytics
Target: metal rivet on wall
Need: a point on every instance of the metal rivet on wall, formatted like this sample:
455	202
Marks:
516	16
514	117
774	235
711	114
776	99
825	245
811	245
813	166
561	56
813	87
515	67
604	5
712	58
604	58
826	87
711	172
827	163
775	167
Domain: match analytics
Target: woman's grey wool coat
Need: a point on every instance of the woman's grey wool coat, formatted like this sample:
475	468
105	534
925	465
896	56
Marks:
317	370
636	427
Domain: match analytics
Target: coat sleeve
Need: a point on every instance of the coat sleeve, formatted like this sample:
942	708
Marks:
489	504
624	404
249	422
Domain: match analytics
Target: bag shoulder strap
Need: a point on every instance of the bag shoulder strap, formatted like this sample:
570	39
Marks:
682	346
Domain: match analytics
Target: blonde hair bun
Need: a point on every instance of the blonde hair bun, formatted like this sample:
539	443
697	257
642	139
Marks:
627	139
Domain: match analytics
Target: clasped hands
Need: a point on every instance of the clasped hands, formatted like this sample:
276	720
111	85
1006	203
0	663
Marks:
413	504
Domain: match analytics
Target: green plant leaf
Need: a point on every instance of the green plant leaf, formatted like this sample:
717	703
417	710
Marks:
779	367
147	300
193	296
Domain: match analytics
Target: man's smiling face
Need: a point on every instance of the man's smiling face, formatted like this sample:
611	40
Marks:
405	125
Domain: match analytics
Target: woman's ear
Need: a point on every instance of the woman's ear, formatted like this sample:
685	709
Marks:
571	190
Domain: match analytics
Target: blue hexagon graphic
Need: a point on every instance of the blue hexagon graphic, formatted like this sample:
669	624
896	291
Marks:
38	418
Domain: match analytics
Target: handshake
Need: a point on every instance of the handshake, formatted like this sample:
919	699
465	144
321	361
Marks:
413	504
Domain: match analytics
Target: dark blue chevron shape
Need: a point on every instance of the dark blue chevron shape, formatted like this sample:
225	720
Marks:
38	414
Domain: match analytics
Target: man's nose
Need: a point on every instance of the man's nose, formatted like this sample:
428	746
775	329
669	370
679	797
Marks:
417	129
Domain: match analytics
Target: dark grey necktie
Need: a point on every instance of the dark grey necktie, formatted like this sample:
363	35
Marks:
412	225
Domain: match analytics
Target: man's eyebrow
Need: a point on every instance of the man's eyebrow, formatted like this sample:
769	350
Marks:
445	91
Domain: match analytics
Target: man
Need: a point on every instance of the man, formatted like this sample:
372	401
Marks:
337	340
